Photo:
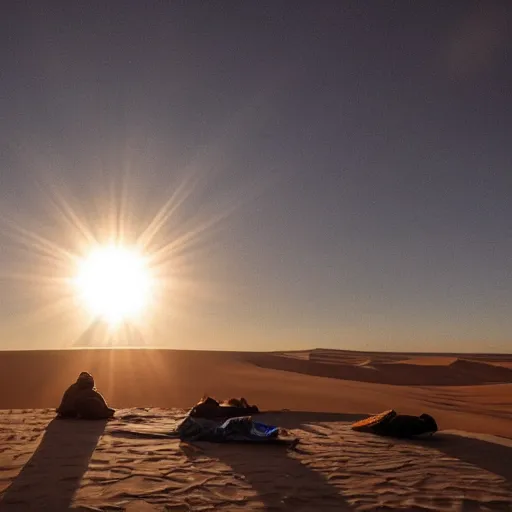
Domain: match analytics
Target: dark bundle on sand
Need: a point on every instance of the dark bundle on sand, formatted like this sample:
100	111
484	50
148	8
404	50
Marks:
82	400
234	430
389	423
229	421
210	408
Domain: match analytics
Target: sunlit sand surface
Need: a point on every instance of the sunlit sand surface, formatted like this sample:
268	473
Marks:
57	465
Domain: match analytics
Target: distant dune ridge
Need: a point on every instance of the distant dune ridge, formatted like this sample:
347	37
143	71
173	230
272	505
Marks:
53	465
393	369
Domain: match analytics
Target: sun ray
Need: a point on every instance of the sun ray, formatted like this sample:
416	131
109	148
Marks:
67	214
165	212
175	241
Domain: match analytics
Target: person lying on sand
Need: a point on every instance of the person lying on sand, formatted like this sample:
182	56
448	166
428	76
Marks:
82	400
208	407
234	430
391	424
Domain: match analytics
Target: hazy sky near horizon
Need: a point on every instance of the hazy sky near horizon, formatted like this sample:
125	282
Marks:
334	174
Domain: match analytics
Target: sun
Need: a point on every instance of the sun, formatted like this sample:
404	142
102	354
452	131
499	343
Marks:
114	283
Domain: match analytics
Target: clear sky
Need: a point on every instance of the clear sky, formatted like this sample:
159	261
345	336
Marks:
334	174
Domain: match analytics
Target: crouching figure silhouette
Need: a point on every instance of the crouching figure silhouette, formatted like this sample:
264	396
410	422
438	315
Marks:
82	400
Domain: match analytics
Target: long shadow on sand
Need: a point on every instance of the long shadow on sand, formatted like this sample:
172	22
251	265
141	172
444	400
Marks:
486	455
297	419
50	479
280	480
489	456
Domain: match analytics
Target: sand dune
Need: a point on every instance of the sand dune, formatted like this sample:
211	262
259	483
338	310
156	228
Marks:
430	361
166	378
452	371
54	465
427	358
347	357
101	466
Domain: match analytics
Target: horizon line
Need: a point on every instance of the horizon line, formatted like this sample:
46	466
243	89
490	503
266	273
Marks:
277	352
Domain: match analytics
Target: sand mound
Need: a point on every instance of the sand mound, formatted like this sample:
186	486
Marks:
504	364
350	358
483	370
429	361
368	363
458	373
167	379
98	466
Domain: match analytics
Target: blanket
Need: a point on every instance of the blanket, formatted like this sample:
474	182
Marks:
240	429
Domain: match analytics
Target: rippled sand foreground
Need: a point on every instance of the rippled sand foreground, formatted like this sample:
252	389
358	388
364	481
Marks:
129	464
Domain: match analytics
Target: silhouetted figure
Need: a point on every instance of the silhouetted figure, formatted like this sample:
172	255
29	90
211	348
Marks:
82	400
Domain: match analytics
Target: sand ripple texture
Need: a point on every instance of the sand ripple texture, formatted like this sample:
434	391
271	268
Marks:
129	464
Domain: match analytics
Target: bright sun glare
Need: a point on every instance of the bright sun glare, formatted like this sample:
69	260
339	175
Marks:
114	283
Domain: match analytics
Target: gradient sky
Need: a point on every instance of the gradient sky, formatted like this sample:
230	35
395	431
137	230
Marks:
339	174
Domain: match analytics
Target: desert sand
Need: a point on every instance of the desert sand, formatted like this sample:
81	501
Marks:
131	463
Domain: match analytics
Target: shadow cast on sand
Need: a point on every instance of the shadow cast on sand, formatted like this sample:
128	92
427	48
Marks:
493	455
280	480
297	419
50	479
489	456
